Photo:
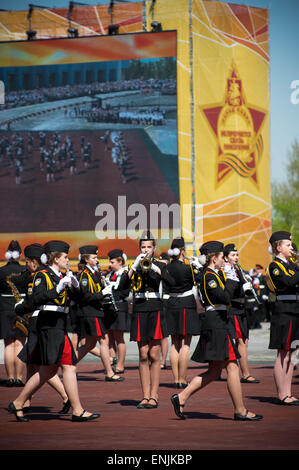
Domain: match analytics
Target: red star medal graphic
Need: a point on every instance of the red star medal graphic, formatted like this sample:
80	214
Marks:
237	128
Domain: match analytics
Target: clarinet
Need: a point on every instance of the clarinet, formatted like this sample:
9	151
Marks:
252	290
20	322
111	296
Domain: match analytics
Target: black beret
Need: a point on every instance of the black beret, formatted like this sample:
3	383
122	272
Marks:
228	248
57	245
211	247
281	235
178	243
88	250
115	254
34	251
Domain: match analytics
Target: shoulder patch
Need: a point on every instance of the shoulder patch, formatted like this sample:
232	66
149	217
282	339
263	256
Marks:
37	282
212	284
276	272
84	282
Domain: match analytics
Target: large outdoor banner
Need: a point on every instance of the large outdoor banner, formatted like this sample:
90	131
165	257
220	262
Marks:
88	139
210	154
231	126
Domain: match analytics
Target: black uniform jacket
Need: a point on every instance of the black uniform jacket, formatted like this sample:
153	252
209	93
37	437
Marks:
284	277
149	282
13	269
91	296
215	290
183	279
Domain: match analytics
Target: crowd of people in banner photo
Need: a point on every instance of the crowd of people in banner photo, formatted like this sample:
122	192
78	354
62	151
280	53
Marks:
52	315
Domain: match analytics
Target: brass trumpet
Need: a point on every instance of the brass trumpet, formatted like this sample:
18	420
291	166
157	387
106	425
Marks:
145	264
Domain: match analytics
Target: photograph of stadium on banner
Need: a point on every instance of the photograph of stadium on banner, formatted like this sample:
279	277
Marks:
77	131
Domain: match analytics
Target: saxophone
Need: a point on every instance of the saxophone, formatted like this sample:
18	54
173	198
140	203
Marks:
20	322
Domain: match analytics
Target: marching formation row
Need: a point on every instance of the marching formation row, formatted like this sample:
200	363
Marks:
57	317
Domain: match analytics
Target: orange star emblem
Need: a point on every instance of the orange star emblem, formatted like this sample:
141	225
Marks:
237	127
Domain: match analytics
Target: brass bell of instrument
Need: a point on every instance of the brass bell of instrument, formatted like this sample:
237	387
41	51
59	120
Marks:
145	264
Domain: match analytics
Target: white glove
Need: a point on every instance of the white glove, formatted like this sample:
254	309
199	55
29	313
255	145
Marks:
137	261
155	268
195	262
63	283
107	290
265	297
256	282
19	303
230	272
248	278
74	280
246	287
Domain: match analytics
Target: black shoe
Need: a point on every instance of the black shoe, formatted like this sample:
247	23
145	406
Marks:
245	417
112	379
288	403
19	383
10	383
142	405
66	408
12	409
150	405
177	406
82	418
181	385
247	381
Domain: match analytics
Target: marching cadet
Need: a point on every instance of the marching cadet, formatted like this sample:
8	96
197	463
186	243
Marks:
164	258
51	293
238	318
93	295
181	312
35	257
216	344
14	338
116	319
284	331
148	325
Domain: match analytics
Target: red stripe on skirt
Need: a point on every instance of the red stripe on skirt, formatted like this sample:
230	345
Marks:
158	331
231	352
66	357
288	345
239	333
138	338
99	331
184	331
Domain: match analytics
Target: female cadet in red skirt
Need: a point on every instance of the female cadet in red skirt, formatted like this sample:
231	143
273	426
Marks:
93	294
116	319
35	257
238	318
216	345
148	324
51	293
284	331
181	313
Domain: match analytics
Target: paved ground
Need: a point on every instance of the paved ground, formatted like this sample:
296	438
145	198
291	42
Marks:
122	431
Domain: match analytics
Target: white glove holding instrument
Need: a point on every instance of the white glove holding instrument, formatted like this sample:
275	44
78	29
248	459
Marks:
19	303
63	283
107	290
137	261
230	272
247	287
74	280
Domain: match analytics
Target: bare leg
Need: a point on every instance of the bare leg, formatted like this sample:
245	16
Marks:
56	383
88	344
9	357
118	336
144	370
154	355
104	342
243	361
283	374
234	387
71	387
174	357
164	350
184	356
19	365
